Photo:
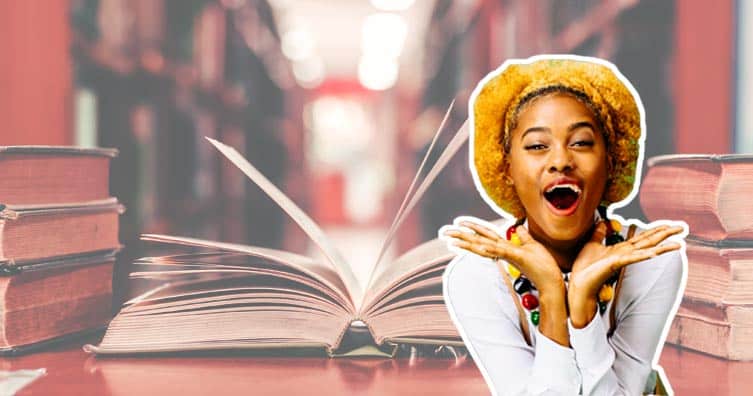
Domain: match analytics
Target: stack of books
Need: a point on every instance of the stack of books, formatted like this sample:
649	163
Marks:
712	194
58	239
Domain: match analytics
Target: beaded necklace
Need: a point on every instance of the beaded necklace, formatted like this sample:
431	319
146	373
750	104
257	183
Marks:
527	291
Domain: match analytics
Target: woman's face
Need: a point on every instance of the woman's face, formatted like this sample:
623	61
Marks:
558	164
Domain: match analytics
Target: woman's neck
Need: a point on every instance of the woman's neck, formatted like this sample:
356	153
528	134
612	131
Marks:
564	252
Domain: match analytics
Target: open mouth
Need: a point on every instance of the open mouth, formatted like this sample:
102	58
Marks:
563	197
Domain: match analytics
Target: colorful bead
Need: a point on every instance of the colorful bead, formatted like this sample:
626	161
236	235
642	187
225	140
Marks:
513	270
613	278
529	301
614	239
602	307
515	240
606	293
535	316
509	232
616	226
522	285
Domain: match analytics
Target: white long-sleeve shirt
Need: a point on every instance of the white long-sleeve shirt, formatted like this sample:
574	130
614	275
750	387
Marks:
486	317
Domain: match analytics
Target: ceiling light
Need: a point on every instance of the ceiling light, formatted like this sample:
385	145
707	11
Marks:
377	73
309	72
383	34
297	45
392	5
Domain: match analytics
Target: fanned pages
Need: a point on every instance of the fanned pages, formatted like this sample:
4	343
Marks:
461	136
247	297
302	219
311	267
409	193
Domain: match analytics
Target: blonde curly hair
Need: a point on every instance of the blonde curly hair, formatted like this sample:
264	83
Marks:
500	97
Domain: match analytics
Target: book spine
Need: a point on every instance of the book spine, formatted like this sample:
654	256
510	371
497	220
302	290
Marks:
17	212
12	267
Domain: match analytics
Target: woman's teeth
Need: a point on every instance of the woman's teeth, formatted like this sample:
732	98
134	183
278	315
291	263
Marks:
572	187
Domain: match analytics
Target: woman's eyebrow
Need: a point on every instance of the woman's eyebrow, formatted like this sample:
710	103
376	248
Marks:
535	129
580	125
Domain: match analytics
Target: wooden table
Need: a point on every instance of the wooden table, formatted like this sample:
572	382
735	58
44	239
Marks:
70	371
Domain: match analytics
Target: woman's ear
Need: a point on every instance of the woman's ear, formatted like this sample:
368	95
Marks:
506	173
508	180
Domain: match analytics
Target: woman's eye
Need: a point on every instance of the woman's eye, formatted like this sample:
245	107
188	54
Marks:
535	146
584	143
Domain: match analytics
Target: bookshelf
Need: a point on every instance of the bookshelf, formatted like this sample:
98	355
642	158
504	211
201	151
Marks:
455	57
152	78
160	75
638	36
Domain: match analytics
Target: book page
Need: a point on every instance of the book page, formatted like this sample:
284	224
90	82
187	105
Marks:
225	264
408	194
426	257
234	289
461	136
302	219
302	263
418	259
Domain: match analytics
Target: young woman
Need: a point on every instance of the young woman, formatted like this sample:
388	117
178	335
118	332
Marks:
561	299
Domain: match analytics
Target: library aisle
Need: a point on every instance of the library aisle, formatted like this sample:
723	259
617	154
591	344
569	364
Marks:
336	103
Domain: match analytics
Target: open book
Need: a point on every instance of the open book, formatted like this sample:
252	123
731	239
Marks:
238	296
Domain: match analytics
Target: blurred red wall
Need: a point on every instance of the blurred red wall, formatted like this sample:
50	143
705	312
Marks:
703	79
35	72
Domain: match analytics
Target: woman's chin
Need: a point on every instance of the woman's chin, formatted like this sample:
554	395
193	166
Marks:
556	234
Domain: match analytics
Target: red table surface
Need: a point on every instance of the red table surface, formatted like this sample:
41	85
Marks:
70	371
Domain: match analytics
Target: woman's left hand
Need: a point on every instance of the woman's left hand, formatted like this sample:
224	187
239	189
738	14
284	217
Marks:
596	263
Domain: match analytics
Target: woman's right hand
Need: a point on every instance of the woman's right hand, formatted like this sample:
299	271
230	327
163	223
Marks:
530	257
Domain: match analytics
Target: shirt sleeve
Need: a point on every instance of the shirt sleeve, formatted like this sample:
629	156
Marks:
621	364
487	320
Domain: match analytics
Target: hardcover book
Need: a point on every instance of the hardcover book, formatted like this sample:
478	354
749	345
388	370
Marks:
709	192
233	296
49	175
719	329
42	302
36	232
720	272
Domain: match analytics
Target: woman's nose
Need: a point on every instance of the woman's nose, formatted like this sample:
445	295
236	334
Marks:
560	160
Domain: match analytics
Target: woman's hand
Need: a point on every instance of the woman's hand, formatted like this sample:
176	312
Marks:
531	258
596	263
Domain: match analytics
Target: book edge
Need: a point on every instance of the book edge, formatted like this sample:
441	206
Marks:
61	150
680	158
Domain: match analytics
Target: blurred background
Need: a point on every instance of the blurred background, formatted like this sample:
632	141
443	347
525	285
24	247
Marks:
336	101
